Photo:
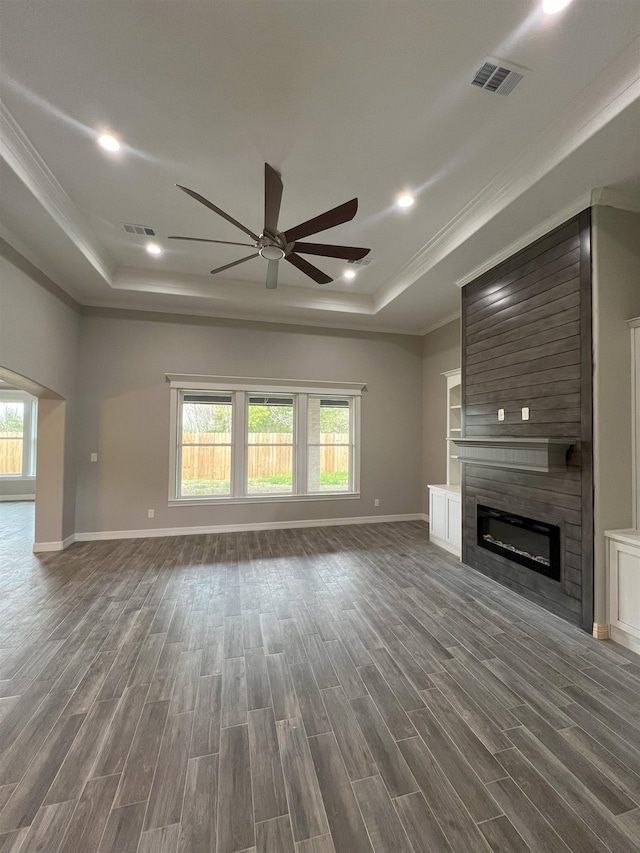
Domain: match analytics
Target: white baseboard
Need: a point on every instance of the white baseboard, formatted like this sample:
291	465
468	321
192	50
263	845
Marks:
17	497
442	543
625	639
424	517
41	547
239	528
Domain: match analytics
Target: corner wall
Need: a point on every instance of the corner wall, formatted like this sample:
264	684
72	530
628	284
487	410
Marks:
440	352
616	298
39	335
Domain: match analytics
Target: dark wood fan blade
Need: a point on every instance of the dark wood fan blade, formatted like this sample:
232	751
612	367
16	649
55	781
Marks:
204	240
272	199
308	269
349	253
272	275
217	210
234	264
336	216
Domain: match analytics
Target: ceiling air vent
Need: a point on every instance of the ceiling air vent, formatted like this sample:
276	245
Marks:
143	230
498	76
363	262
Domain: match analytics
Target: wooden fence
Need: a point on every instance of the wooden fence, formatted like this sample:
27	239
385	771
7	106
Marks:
272	456
10	453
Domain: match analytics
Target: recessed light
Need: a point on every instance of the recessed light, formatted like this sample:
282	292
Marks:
552	7
153	249
349	274
108	142
405	200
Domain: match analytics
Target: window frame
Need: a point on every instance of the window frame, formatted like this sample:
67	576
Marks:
29	433
241	388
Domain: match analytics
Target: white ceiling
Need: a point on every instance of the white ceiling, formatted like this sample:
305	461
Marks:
357	98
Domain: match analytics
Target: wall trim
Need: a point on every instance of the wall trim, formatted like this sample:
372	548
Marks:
624	639
23	158
100	535
601	630
17	497
540	230
42	547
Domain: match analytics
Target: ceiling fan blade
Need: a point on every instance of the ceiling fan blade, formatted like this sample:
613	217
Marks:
234	264
217	210
204	240
336	216
349	253
272	275
308	269
272	199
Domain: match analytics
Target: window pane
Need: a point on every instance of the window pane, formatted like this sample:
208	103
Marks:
207	422
11	437
206	470
329	448
270	469
328	421
268	416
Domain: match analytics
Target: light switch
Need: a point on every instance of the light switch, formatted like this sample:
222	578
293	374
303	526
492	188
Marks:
94	457
500	414
525	413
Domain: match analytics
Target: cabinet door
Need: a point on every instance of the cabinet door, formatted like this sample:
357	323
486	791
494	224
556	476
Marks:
454	521
438	515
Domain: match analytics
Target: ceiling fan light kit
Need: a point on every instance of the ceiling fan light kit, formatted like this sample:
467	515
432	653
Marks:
275	246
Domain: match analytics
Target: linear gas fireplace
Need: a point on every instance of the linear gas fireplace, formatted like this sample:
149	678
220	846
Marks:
531	543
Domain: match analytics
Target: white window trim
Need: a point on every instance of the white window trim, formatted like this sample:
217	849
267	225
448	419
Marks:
242	386
29	431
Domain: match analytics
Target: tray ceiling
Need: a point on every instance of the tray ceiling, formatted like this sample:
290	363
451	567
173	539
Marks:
356	99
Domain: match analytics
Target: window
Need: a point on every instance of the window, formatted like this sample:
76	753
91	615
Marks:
254	442
17	434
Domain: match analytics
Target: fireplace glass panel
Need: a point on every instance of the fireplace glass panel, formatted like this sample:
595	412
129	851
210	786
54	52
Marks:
531	543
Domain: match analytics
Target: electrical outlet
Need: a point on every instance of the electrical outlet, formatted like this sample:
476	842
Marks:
151	513
376	502
525	413
94	457
500	414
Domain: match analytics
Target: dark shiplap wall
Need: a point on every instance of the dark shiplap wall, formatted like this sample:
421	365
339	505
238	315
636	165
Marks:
526	341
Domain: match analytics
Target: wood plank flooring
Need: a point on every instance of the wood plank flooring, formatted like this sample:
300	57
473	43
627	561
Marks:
329	690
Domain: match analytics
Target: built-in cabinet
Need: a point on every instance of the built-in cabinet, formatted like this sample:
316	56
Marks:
445	508
623	546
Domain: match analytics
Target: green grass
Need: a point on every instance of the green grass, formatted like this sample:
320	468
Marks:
329	481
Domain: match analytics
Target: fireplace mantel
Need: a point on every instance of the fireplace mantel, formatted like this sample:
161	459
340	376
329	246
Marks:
521	454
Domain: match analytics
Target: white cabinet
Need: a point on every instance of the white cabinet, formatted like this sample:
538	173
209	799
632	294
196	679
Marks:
445	517
623	566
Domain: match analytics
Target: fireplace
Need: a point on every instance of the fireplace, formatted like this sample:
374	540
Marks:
531	543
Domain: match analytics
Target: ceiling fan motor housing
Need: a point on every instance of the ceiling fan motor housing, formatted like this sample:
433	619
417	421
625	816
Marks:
271	248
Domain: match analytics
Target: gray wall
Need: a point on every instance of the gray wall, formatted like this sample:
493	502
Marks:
39	335
616	298
440	352
125	413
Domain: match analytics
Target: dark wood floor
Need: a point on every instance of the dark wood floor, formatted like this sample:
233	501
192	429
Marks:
347	689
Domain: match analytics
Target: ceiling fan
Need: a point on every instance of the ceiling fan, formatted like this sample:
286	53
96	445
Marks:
274	245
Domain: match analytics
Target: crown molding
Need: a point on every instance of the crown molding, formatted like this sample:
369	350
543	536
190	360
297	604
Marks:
444	322
240	292
542	228
603	197
23	158
599	103
608	197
